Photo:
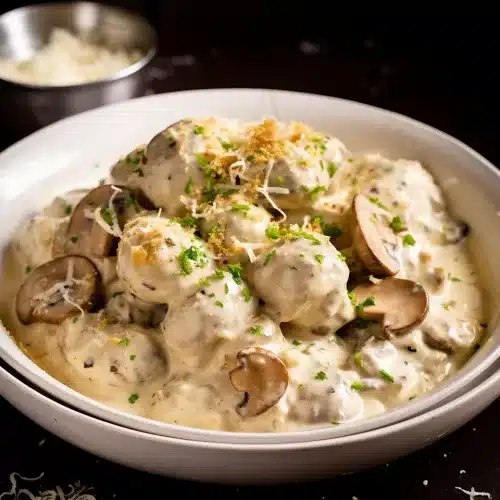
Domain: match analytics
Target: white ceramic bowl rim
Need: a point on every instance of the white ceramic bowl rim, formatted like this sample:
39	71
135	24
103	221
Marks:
34	374
487	385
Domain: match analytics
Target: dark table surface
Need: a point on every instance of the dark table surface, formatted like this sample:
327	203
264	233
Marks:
439	70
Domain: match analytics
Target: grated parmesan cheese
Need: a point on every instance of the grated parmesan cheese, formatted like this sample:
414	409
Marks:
76	491
67	60
265	190
114	229
473	493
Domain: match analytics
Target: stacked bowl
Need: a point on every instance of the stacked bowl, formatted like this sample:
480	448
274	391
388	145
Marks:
82	149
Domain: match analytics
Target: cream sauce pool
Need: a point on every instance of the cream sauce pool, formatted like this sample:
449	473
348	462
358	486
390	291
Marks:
249	243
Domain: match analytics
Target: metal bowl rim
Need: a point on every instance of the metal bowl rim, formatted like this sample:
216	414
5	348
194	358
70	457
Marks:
123	73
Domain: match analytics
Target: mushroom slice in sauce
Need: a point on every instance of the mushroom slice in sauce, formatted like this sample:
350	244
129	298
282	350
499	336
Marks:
164	145
58	289
373	239
85	235
262	376
399	304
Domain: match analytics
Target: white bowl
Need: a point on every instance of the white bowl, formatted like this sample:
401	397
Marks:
247	464
79	150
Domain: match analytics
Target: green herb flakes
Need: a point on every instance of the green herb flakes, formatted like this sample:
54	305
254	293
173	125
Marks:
386	376
132	357
377	202
369	301
198	130
218	303
68	209
188	188
247	295
398	224
321	376
133	398
125	341
319	258
273	231
240	207
107	215
268	257
191	256
235	270
27	269
357	386
256	330
296	342
358	359
408	240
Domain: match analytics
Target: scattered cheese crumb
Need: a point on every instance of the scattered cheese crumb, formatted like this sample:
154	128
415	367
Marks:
473	493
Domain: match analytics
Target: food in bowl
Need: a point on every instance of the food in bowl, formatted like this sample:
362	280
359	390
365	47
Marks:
248	277
68	60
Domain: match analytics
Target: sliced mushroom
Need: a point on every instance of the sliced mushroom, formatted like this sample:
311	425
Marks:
262	376
58	289
164	144
85	236
373	239
399	304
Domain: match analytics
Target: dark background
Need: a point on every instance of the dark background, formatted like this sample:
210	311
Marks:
439	68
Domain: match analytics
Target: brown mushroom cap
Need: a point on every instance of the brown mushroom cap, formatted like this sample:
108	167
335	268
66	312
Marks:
262	376
33	303
400	305
163	145
373	239
87	237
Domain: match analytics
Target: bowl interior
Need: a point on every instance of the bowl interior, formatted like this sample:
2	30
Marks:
29	179
25	30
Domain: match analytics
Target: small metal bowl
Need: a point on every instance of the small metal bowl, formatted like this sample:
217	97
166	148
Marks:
25	30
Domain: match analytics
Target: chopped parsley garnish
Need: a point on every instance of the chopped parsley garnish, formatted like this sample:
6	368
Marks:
321	376
188	222
124	341
341	256
27	269
218	275
352	298
273	231
133	398
132	202
75	319
319	258
107	215
369	301
357	386
218	303
198	130
296	342
204	282
398	224
408	240
211	295
256	330
246	294
377	202
280	180
314	191
132	357
226	145
189	256
303	234
226	288
235	270
67	209
132	161
454	278
250	158
358	359
268	257
448	305
202	159
332	168
386	376
240	207
139	172
189	186
330	230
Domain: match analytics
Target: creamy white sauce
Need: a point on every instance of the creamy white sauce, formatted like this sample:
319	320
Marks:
167	337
